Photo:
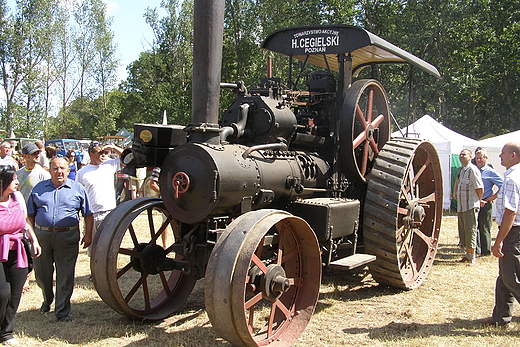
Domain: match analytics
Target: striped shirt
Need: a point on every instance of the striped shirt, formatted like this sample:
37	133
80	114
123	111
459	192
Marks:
509	195
155	174
469	181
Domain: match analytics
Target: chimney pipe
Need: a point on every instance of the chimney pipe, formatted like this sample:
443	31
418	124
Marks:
208	31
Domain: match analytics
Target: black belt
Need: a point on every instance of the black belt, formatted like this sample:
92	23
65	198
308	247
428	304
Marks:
56	228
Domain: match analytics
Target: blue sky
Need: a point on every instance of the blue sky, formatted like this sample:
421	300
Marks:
131	33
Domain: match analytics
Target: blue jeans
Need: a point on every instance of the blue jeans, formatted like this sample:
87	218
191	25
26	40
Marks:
508	285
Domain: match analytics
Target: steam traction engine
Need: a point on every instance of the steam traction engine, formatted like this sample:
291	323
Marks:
285	183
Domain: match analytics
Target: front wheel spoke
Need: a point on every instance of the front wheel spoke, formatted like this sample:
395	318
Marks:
289	255
258	262
129	252
124	270
165	284
136	286
253	301
133	235
151	223
280	255
146	295
286	312
163	227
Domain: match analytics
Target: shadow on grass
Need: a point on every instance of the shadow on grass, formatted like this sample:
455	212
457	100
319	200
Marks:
353	285
457	327
95	322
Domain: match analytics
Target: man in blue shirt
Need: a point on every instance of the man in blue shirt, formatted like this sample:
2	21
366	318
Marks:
53	209
491	178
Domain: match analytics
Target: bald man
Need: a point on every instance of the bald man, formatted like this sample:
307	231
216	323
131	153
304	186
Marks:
507	243
53	209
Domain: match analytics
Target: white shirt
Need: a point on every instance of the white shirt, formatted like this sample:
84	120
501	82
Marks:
98	181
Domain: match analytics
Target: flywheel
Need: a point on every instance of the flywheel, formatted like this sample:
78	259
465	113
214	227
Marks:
403	212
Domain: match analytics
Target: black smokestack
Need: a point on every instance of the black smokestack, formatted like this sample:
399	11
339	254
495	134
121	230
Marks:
208	31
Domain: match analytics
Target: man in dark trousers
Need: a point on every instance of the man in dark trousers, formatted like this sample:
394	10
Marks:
507	243
53	209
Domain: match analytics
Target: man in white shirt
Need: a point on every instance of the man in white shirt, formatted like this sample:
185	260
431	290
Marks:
5	158
98	178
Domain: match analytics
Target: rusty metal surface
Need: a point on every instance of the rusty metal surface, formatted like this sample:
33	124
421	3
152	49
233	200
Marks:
403	211
255	249
117	247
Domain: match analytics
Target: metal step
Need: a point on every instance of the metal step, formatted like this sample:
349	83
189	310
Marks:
352	261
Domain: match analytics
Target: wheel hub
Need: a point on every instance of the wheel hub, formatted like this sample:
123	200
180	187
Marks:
136	261
152	256
370	132
274	283
416	215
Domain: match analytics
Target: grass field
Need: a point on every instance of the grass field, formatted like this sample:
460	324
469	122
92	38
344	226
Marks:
353	310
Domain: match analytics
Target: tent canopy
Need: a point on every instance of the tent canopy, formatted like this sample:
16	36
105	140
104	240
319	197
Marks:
429	129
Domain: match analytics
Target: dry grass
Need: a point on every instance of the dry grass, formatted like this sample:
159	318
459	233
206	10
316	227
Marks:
352	310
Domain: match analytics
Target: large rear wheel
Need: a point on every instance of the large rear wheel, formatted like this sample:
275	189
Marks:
263	279
403	211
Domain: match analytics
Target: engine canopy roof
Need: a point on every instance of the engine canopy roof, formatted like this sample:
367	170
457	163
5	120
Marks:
320	45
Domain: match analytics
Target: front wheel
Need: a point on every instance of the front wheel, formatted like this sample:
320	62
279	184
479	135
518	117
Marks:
124	249
263	279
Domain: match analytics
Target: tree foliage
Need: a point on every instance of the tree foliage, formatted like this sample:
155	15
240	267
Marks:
474	44
54	50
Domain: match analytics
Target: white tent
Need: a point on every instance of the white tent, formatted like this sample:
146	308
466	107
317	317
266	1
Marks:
493	146
446	141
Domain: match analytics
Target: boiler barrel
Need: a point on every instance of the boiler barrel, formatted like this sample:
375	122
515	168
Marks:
218	180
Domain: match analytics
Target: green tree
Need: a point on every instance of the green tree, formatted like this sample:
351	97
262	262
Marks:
160	80
25	40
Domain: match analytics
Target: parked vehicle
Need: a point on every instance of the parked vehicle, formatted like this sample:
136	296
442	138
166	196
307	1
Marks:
63	145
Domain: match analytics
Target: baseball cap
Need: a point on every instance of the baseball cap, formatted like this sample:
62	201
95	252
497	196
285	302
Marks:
30	148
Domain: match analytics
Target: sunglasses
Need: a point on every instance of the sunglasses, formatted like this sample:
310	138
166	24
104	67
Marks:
103	152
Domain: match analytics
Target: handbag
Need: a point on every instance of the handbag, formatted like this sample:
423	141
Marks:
28	249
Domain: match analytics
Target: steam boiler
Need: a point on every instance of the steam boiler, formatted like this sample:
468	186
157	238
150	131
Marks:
286	181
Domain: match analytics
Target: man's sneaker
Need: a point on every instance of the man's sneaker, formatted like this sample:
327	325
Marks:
472	262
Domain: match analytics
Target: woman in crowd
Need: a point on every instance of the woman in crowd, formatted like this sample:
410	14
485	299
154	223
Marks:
14	267
71	158
50	153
